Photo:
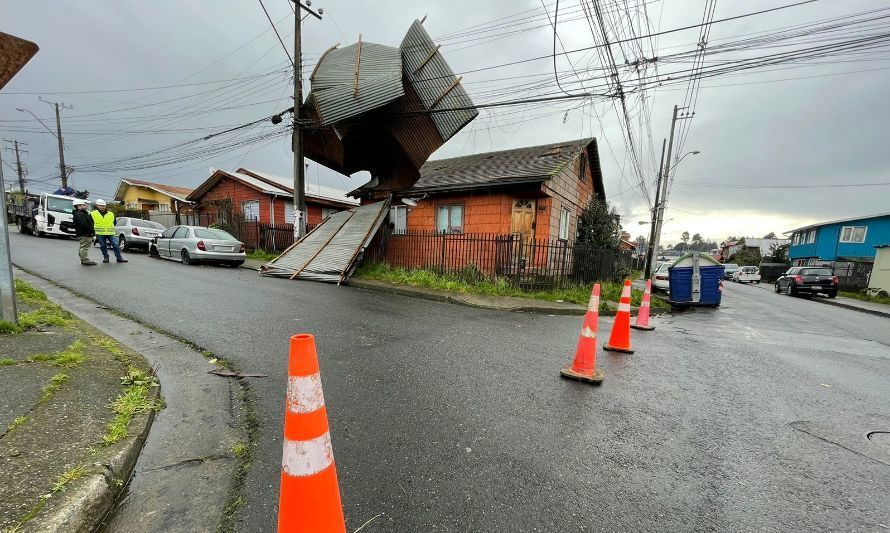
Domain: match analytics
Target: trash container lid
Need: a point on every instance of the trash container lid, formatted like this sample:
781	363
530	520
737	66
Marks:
703	260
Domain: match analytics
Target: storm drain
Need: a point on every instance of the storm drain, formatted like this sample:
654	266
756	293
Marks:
852	436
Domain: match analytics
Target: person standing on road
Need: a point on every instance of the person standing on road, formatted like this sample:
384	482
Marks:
103	224
83	229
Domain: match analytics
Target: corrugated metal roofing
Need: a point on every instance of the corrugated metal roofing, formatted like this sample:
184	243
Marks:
312	190
261	185
329	253
379	70
851	219
431	76
506	166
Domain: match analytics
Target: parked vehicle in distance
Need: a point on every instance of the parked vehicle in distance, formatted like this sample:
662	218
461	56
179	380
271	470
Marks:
42	214
746	274
728	269
197	244
809	281
660	281
136	233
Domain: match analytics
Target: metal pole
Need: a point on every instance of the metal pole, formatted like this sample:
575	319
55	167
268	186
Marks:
297	141
665	178
7	284
650	253
62	172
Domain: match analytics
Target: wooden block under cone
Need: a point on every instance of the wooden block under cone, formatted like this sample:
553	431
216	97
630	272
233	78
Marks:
596	378
644	328
613	349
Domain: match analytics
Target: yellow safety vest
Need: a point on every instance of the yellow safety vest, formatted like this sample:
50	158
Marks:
103	224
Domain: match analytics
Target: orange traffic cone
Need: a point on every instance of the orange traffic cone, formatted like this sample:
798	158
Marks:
584	366
643	314
310	495
619	340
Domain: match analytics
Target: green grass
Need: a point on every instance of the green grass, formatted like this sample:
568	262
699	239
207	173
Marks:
27	293
866	297
136	399
55	383
16	423
6	361
71	356
47	315
8	328
261	255
470	282
69	476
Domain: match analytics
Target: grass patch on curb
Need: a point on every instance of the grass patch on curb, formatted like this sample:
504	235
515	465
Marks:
6	361
261	255
136	398
8	328
55	383
866	297
470	282
16	423
69	476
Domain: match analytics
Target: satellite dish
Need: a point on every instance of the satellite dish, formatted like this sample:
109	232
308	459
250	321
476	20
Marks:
409	202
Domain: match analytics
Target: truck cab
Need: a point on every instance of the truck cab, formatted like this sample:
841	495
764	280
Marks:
54	216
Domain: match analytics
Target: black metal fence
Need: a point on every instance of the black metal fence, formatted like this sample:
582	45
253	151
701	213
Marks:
254	235
529	263
852	276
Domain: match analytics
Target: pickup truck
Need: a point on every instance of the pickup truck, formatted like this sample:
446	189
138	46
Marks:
42	214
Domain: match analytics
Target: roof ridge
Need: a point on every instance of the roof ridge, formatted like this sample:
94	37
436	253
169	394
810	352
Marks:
583	142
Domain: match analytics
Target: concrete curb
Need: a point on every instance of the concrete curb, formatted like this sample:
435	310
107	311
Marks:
534	306
828	301
86	504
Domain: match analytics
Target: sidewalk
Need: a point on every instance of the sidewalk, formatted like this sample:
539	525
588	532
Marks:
75	410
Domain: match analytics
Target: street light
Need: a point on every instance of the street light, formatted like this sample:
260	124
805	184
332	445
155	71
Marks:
38	120
644	222
694	152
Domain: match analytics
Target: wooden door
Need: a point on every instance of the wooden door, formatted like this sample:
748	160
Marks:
522	222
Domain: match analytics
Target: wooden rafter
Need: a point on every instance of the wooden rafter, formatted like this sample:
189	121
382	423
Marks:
450	88
358	65
428	58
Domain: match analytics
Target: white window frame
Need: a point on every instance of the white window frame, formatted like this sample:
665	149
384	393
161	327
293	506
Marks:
327	211
450	227
247	211
564	218
398	215
811	236
851	232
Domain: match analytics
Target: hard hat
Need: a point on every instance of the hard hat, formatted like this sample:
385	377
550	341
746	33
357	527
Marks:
79	202
100	202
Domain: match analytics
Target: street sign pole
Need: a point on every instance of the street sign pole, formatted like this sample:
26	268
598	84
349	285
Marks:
7	285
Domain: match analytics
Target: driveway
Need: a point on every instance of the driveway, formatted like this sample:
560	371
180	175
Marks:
751	417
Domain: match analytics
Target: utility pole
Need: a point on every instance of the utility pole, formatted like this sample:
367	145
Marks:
18	166
665	178
300	214
651	253
63	171
7	284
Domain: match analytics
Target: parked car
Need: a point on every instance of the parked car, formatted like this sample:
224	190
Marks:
809	281
660	281
136	233
728	269
194	244
746	274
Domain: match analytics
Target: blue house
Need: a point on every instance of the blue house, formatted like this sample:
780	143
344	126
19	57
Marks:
851	240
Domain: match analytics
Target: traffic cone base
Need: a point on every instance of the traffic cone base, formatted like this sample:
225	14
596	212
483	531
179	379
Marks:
613	349
644	328
596	378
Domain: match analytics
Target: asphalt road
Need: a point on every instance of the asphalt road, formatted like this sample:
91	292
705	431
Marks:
751	417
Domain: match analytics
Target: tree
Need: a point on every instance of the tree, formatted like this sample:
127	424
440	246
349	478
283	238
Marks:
777	253
685	237
697	238
770	235
641	241
599	225
747	256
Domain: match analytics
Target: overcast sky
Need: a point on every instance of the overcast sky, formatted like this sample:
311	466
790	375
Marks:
819	123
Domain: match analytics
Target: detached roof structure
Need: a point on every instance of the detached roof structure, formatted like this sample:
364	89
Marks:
178	193
384	109
531	164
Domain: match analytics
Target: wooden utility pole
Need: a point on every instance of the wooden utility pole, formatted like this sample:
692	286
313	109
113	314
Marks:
665	178
18	167
63	170
651	252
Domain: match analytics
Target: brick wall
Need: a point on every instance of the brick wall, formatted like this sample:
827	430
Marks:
240	193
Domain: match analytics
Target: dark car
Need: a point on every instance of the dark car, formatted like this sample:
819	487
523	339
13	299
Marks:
809	281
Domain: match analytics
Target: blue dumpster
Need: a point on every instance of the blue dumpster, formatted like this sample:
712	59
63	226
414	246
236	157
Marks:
696	279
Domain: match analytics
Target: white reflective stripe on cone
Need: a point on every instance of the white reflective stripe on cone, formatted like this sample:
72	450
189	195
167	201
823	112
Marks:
624	307
587	332
644	303
594	304
304	394
625	292
307	457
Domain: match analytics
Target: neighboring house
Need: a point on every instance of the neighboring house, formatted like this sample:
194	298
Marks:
851	240
765	247
627	245
149	196
537	192
266	198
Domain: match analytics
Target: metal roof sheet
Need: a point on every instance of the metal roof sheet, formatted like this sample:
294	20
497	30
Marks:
338	94
318	191
852	219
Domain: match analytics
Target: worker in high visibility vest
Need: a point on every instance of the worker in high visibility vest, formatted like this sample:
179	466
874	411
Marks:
103	225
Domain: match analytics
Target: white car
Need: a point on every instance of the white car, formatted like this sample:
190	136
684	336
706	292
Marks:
746	274
660	281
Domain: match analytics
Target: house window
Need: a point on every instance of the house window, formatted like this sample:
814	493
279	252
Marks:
564	224
288	213
582	167
251	209
398	216
853	234
326	212
450	219
811	236
132	205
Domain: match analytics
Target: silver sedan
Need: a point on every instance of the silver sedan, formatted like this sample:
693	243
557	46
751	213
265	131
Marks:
194	244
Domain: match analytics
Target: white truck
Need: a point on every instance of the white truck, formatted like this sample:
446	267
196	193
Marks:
43	214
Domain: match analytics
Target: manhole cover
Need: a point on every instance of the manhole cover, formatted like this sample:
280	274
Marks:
880	438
